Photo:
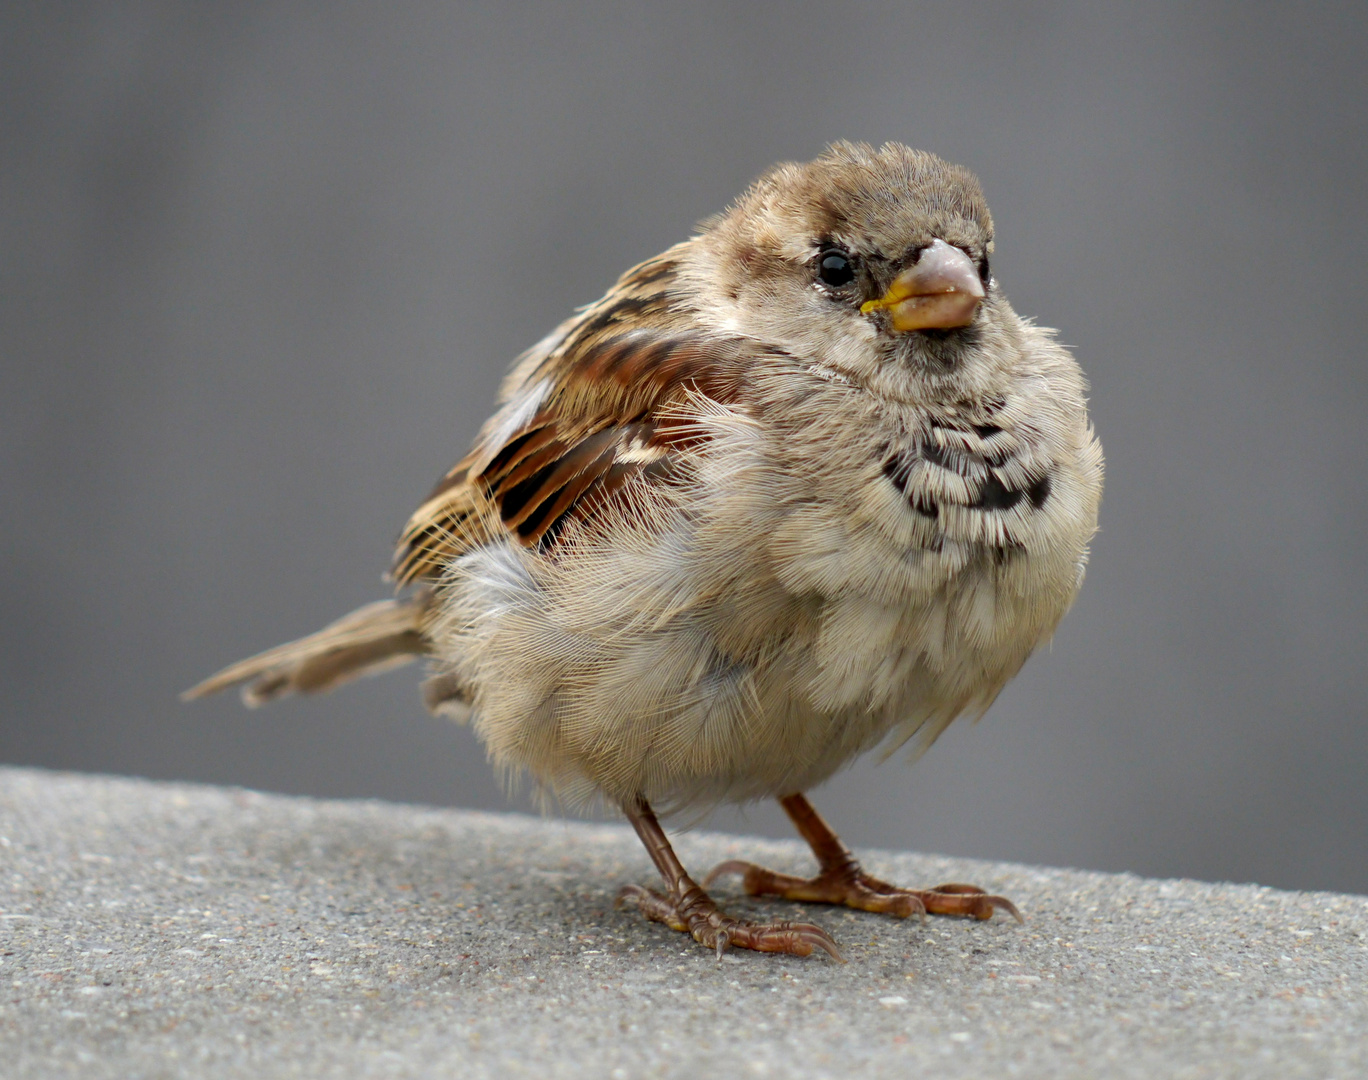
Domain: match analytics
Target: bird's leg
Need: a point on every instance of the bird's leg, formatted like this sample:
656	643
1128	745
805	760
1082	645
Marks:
686	907
841	880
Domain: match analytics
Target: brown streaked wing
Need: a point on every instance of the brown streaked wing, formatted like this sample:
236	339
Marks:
605	418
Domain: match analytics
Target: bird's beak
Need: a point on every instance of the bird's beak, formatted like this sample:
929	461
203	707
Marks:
941	290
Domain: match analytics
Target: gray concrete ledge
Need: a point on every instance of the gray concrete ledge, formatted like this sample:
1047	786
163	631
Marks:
155	930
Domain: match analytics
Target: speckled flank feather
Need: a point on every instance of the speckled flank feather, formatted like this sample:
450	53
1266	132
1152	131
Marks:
727	531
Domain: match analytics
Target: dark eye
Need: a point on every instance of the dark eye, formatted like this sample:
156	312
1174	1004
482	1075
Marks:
834	268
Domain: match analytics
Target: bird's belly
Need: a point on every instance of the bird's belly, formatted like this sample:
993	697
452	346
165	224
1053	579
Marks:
756	695
910	666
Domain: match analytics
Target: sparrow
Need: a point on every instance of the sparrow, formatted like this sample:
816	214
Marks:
801	486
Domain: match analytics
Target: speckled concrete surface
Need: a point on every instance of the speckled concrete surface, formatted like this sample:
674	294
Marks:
155	930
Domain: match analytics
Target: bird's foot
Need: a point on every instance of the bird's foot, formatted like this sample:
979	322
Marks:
696	914
851	886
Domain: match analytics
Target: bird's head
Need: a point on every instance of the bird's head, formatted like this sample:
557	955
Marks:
873	263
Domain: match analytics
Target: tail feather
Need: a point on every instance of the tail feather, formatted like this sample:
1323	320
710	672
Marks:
370	640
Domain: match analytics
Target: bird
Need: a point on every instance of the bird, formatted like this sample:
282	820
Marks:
802	486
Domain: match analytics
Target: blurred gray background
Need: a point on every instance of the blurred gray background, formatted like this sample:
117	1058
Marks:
264	265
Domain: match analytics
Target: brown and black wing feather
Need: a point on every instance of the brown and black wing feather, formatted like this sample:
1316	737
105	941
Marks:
606	406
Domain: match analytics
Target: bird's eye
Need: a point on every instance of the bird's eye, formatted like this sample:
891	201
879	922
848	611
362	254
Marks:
834	268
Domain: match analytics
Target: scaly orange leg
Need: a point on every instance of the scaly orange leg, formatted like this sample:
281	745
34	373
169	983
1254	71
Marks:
687	908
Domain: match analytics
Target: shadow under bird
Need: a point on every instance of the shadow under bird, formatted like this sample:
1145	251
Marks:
802	485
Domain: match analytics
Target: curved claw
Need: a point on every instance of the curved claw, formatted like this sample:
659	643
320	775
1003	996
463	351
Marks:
823	941
980	904
798	939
